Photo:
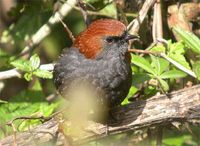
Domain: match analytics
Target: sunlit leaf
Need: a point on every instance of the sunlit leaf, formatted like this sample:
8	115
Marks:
22	65
143	63
159	64
164	84
189	38
43	74
34	61
173	74
132	91
176	52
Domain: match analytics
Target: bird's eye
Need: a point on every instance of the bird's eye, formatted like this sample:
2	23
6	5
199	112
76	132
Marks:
109	40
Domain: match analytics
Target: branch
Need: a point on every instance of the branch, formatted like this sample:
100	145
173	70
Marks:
134	26
44	31
16	73
179	106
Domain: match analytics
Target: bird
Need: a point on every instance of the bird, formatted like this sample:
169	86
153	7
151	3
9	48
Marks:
98	59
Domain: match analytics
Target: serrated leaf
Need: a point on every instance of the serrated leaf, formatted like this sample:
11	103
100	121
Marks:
163	84
158	48
189	38
196	69
143	63
22	65
176	52
159	64
34	61
173	74
43	74
26	103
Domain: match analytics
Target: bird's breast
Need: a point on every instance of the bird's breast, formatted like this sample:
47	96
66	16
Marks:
112	75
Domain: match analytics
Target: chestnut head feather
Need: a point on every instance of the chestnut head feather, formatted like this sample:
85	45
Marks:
89	42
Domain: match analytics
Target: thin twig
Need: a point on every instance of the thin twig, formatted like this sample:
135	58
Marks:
83	11
143	51
68	30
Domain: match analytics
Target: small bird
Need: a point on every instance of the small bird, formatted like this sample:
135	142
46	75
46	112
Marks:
99	58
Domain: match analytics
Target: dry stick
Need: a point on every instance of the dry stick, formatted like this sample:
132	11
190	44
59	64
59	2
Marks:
134	26
159	26
154	31
143	51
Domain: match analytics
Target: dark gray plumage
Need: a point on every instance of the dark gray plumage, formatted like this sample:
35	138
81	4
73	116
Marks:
110	71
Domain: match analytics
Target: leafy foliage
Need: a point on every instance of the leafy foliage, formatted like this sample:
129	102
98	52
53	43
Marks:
151	73
31	67
192	41
29	102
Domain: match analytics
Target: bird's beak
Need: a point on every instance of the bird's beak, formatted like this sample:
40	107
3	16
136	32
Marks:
131	37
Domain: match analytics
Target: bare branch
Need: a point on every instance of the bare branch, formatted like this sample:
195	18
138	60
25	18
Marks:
134	26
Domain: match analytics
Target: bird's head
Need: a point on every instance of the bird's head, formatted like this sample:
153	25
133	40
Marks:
103	35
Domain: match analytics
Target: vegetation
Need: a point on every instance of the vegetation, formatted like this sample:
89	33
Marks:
172	64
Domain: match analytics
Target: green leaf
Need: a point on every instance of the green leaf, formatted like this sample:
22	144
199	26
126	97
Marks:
163	84
43	74
132	91
34	61
176	52
28	76
189	38
29	102
196	69
143	63
158	48
22	65
109	10
173	74
159	64
140	78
